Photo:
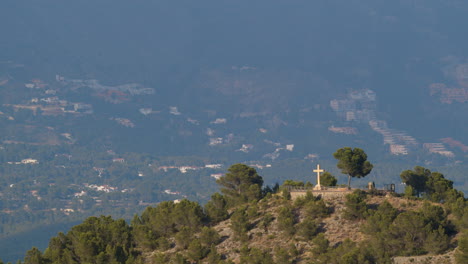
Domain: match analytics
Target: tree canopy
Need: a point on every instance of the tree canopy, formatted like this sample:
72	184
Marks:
327	179
416	179
242	183
353	162
433	185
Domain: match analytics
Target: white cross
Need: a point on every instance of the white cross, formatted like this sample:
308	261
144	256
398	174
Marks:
318	171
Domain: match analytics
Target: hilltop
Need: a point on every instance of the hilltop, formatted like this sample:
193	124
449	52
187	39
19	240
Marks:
251	224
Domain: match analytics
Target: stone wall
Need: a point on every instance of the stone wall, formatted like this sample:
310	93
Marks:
325	194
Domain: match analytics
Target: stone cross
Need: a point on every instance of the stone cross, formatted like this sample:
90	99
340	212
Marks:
318	171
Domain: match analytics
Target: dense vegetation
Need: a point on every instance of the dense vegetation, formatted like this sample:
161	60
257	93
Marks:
272	80
249	223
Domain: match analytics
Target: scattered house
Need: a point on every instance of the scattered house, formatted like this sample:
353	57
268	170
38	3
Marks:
350	116
217	175
213	166
358	106
193	121
118	160
219	121
290	147
102	188
438	148
83	108
399	141
38	83
274	155
4	80
184	169
168	191
59	78
262	130
67	211
449	95
50	100
210	132
68	156
454	143
113	96
215	141
146	111
50	91
276	144
166	168
34	193
398	149
79	194
258	166
140	174
124	122
35	84
29	161
173	110
343	130
246	148
99	170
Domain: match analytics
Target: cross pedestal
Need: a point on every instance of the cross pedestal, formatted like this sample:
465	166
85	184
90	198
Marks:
318	171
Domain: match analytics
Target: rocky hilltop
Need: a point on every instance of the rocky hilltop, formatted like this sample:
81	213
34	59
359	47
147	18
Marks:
249	223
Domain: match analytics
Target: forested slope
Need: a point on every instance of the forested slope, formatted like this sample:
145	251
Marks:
249	223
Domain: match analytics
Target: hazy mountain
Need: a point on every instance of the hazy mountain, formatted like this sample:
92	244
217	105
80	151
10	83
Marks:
178	83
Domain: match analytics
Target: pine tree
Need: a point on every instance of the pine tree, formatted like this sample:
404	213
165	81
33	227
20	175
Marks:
461	254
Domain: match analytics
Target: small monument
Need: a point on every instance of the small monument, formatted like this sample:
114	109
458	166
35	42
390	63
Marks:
318	171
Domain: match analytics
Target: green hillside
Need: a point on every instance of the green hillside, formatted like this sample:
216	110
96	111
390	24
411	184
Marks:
252	223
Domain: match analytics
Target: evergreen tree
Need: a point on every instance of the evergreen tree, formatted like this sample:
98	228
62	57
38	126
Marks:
188	214
327	179
266	220
307	229
282	255
381	219
160	258
438	188
461	254
196	251
353	162
316	209
286	220
34	256
241	184
213	257
320	245
183	237
240	224
216	208
356	206
437	241
96	240
209	237
255	256
408	234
